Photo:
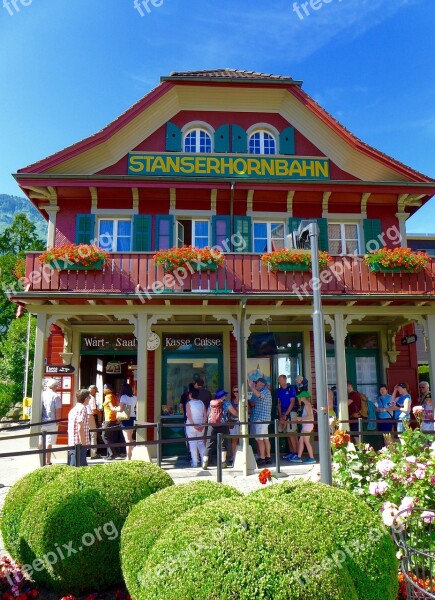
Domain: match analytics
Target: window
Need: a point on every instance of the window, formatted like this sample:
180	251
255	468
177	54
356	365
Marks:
262	142
193	233
197	140
268	236
114	235
343	238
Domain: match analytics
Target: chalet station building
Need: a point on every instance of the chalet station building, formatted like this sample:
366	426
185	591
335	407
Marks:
233	159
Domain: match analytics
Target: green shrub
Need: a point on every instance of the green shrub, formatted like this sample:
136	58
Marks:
149	518
17	500
10	393
424	373
357	531
232	549
84	511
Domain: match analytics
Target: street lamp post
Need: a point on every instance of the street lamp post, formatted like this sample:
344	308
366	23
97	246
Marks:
320	358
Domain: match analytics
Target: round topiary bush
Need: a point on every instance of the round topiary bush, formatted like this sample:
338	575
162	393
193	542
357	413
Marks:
251	549
149	518
364	544
70	532
16	501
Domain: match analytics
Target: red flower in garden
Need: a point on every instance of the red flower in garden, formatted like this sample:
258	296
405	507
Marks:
340	438
264	476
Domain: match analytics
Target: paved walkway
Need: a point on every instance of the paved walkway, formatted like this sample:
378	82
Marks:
13	468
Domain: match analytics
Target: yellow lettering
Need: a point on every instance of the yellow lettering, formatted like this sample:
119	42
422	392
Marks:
267	165
281	168
159	165
311	167
226	164
201	165
173	164
296	168
322	168
240	166
213	165
254	166
187	165
136	163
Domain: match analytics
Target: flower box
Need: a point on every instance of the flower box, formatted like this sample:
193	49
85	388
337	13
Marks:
290	267
65	265
377	268
396	260
189	258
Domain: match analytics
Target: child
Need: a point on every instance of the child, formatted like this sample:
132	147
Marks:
428	415
307	428
195	415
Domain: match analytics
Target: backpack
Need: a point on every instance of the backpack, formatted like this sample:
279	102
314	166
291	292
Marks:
216	414
364	412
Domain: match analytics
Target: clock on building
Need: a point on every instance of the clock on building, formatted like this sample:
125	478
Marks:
153	341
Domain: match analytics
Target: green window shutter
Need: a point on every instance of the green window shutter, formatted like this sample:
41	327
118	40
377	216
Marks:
239	140
323	234
243	229
372	230
221	232
85	229
222	139
142	233
173	138
164	238
287	141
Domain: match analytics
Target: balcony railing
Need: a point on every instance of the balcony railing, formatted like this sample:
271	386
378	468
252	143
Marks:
130	273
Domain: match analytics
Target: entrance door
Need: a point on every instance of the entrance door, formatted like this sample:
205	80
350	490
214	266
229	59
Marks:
178	372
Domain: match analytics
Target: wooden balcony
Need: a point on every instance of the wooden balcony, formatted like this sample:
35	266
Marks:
131	273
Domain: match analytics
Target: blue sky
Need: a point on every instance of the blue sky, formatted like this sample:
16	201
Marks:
68	67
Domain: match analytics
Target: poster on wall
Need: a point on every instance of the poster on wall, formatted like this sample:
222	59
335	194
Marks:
259	367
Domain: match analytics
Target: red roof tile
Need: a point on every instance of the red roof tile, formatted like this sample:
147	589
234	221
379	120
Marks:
230	74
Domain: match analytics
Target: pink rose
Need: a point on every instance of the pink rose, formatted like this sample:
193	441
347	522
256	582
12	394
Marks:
411	459
428	516
406	505
377	488
420	473
385	466
389	511
417	410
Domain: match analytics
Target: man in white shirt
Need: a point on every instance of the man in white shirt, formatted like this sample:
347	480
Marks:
51	410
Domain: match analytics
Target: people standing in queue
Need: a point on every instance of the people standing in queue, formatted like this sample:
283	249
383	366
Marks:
217	418
78	428
111	408
91	407
128	401
204	393
51	410
287	414
261	403
402	400
196	417
306	420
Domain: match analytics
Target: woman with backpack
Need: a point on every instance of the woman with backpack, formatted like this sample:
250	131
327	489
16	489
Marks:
217	420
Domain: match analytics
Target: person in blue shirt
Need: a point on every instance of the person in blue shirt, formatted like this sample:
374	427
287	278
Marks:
402	403
287	413
383	408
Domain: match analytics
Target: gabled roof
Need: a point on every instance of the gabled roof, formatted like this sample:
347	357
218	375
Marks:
229	75
286	96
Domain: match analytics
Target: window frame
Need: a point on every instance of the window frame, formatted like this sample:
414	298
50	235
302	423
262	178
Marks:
197	127
178	220
342	224
115	220
268	223
263	128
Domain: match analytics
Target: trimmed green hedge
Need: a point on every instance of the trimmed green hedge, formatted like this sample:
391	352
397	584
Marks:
73	524
365	544
149	518
17	500
251	549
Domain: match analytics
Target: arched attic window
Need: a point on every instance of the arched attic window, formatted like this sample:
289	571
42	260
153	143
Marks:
261	141
197	139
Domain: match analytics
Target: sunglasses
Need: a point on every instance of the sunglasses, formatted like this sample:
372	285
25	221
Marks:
236	391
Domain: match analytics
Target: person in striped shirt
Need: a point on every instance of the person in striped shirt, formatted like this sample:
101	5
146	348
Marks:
78	428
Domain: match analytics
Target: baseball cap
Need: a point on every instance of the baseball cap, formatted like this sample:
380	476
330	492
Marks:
220	393
261	380
93	387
